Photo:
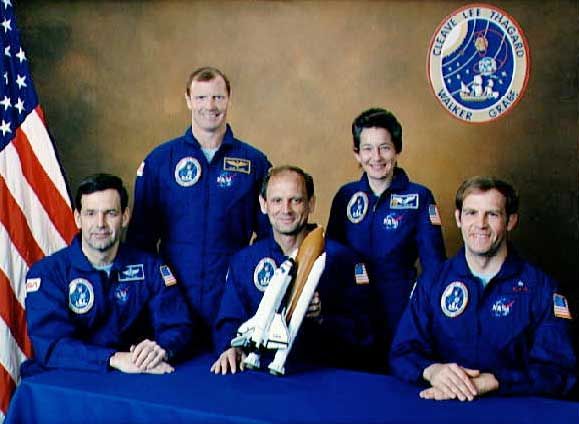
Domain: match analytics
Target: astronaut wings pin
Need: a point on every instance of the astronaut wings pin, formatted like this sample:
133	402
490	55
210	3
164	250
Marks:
281	311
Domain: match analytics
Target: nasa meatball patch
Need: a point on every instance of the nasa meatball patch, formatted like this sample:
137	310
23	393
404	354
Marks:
478	63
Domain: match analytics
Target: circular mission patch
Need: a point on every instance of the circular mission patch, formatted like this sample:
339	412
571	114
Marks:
478	63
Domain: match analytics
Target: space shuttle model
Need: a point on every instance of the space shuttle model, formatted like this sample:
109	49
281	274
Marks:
285	301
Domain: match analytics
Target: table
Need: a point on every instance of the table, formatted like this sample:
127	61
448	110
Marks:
193	395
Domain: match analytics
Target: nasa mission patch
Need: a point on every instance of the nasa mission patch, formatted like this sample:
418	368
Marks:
478	63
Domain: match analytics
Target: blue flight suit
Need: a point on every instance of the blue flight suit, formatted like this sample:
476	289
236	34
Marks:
200	212
510	328
78	316
343	334
390	233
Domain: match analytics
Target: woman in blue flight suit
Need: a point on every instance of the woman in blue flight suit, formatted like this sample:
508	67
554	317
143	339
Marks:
387	219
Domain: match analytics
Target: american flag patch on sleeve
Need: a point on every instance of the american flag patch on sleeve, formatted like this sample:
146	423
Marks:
433	215
560	306
167	275
361	274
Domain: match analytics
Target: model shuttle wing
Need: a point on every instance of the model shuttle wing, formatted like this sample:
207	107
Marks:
276	323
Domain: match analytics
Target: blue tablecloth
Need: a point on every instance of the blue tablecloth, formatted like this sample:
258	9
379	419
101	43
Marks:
193	395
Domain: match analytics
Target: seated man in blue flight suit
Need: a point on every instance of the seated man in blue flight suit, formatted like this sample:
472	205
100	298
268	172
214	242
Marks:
334	326
486	320
98	304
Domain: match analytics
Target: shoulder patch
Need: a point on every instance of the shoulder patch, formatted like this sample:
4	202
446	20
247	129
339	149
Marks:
187	171
237	165
167	275
433	215
560	306
32	284
357	207
454	299
141	169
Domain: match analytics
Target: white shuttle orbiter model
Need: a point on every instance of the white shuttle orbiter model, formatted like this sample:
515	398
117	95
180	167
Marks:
285	301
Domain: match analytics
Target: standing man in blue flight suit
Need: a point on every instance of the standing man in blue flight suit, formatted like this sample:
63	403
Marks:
196	197
335	325
98	304
486	320
388	220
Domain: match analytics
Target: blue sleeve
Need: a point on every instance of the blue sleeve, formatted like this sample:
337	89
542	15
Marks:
411	350
54	337
429	240
550	367
145	226
232	313
170	319
335	230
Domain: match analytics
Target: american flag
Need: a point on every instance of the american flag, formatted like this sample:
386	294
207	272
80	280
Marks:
35	213
361	274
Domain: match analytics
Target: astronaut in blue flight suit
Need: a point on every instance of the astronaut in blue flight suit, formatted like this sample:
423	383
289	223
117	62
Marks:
486	320
335	325
196	197
98	303
388	220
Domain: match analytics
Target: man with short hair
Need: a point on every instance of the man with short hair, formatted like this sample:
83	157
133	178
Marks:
98	304
486	320
196	197
335	326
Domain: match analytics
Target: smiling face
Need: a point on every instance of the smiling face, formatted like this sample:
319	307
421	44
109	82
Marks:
208	102
484	223
100	221
287	204
377	154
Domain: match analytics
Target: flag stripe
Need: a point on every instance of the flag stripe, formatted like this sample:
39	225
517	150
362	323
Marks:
57	208
35	130
17	228
8	385
12	312
13	266
10	356
40	225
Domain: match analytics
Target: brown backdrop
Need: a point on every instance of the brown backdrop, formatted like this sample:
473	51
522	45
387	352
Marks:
111	76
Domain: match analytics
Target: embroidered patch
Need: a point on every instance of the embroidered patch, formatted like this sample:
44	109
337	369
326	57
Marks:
502	307
237	165
225	179
32	284
560	306
263	273
520	287
357	207
404	201
433	215
478	63
454	299
167	275
122	293
361	274
392	221
187	171
80	296
132	273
